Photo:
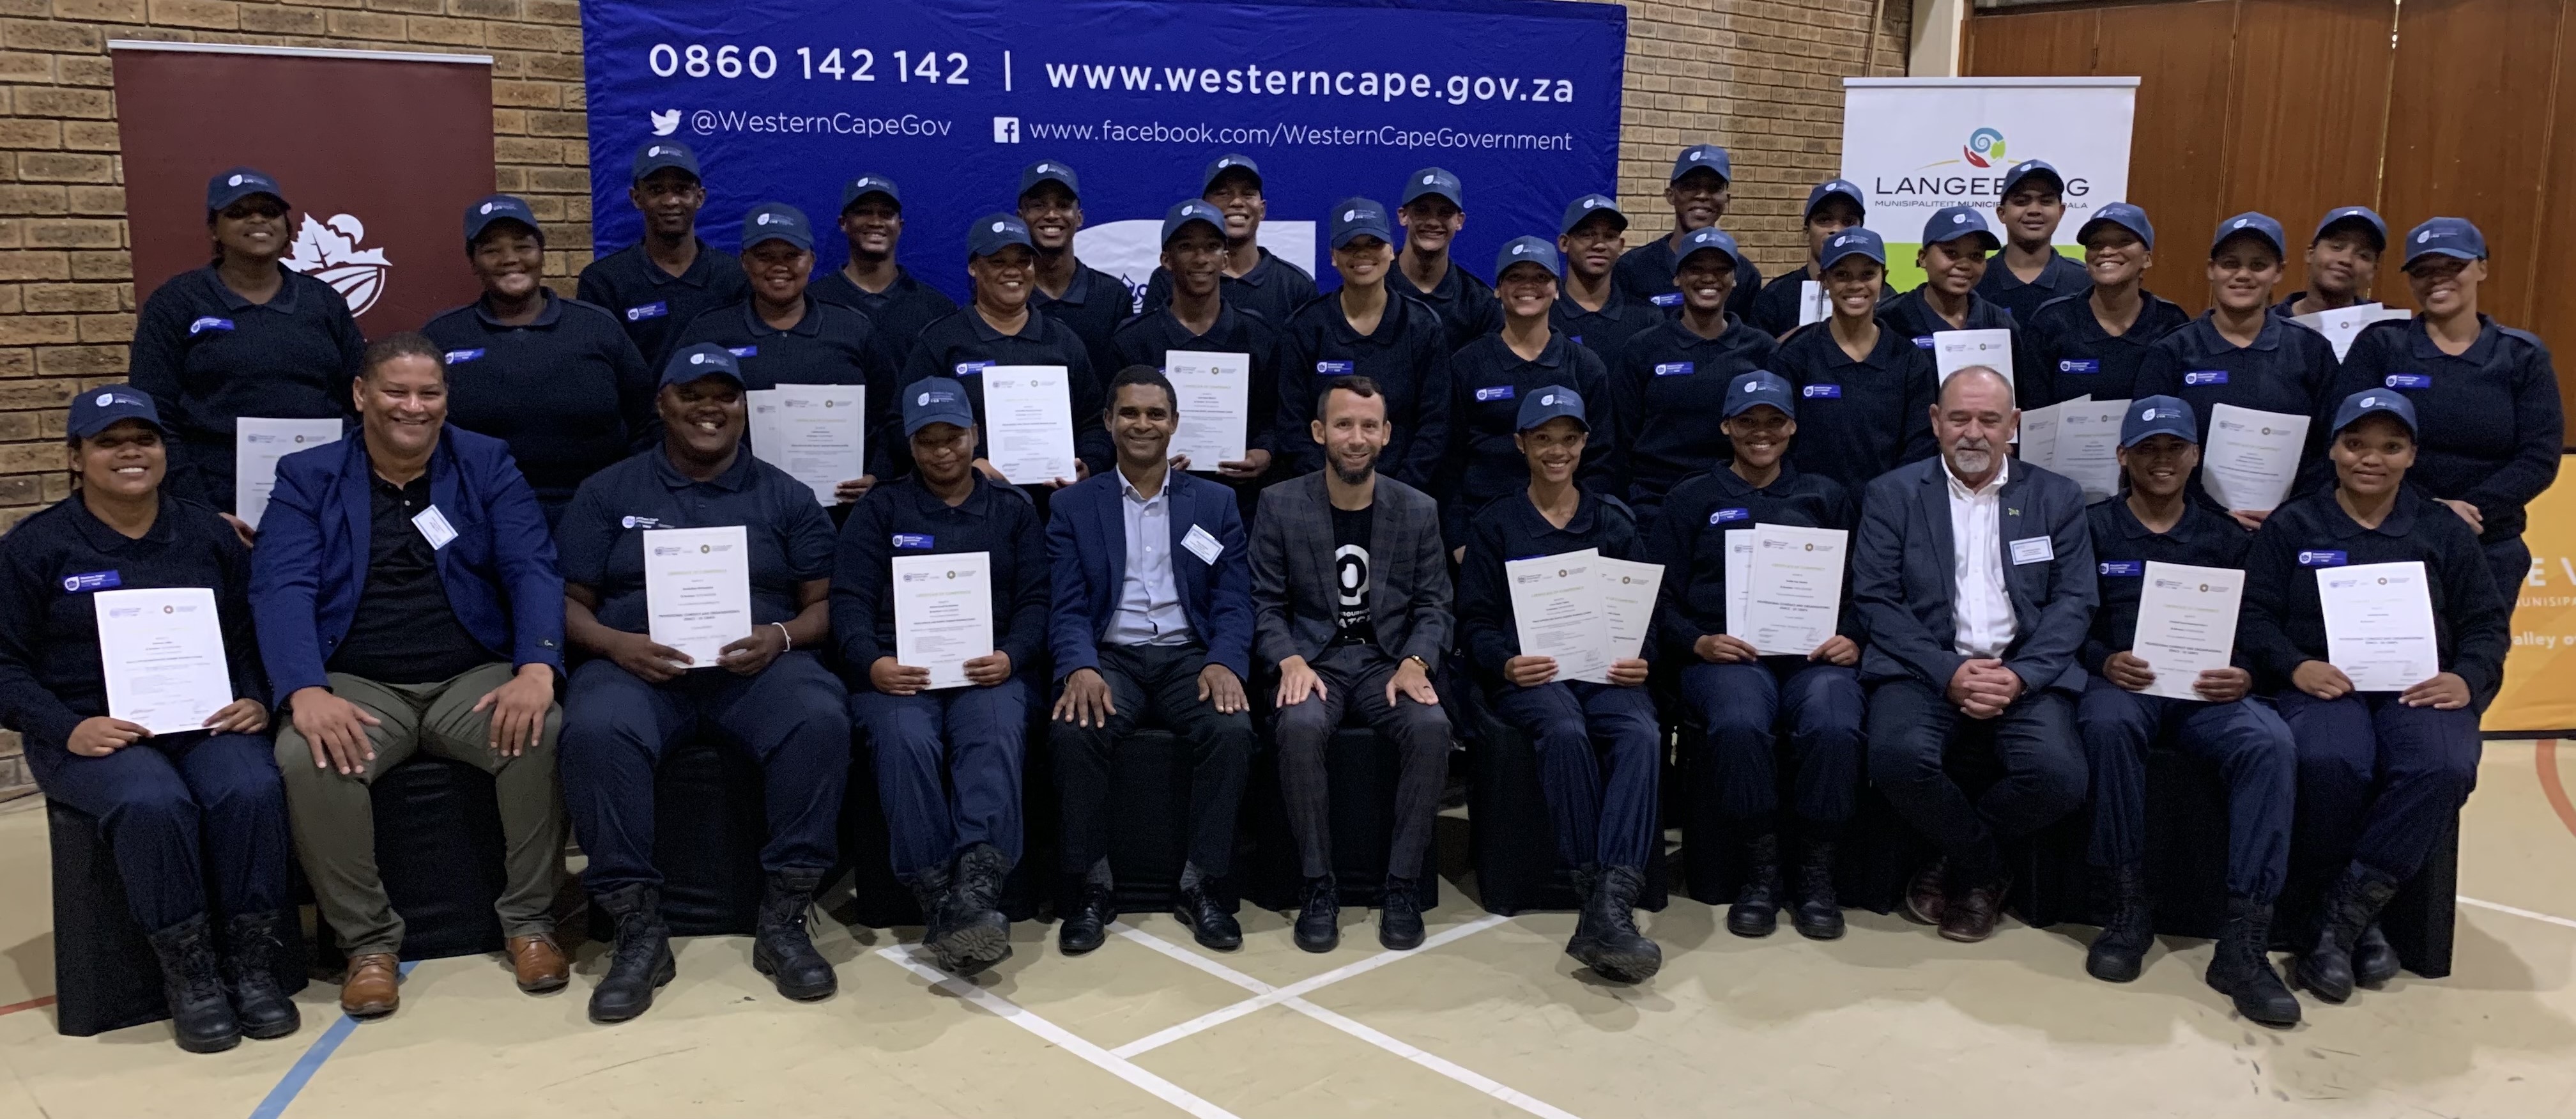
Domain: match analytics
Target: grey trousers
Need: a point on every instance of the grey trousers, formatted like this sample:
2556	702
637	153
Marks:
1355	679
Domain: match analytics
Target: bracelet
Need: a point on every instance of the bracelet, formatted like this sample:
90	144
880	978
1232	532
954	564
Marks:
784	636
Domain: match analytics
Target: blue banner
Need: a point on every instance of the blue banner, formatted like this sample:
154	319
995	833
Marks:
785	100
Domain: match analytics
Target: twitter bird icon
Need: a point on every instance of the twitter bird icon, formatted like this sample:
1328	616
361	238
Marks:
666	122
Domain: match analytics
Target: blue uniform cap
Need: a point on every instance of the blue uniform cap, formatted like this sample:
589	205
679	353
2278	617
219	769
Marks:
1049	171
1834	188
866	185
2125	216
1531	250
2250	224
1710	239
1231	161
1548	403
499	207
935	400
236	183
665	153
2362	215
2028	168
1697	156
2445	237
1582	209
1183	213
1758	387
2371	402
95	410
1855	242
997	231
1360	217
706	359
777	221
1950	223
2158	415
1434	180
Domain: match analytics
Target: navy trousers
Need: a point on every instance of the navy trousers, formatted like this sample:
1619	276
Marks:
1600	761
2246	738
1912	728
616	727
2378	780
1160	682
165	800
948	767
1742	704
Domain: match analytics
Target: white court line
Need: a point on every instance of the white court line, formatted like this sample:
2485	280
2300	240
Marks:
1265	994
2519	912
1016	1015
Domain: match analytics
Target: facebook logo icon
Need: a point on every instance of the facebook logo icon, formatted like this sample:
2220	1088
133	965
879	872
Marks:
1006	130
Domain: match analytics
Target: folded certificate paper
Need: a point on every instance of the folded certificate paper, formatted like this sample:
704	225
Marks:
816	433
1214	391
1028	422
1954	350
1557	612
697	587
2342	326
943	613
1628	596
257	445
162	652
2252	456
2379	624
2186	624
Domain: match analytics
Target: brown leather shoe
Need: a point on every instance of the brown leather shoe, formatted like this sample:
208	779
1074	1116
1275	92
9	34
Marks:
539	963
1927	895
373	987
1971	917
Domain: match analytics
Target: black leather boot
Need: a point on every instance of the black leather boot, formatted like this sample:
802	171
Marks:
2374	963
930	889
2242	967
2351	904
194	988
979	936
1756	912
1319	916
1819	912
252	945
1624	954
1399	916
642	960
1585	944
1087	924
2120	952
782	946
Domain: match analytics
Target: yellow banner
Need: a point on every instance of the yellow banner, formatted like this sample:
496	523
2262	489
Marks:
2540	674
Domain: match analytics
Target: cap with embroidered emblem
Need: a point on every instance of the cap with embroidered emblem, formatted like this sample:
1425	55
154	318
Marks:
1759	387
1548	403
935	400
96	410
2158	415
706	359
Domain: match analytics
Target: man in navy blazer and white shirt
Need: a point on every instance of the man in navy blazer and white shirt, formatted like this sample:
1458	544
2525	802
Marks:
1152	617
1973	575
407	600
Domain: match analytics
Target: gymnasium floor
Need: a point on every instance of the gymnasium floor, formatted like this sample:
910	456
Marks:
1489	1020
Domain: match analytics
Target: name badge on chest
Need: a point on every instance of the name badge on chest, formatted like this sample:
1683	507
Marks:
434	528
2409	381
2032	549
92	581
2205	377
912	540
1669	299
1822	392
1676	368
1202	544
2079	365
643	311
1494	392
2322	557
2123	569
1334	368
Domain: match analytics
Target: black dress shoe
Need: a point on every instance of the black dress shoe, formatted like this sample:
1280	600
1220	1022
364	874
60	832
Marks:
1399	919
1319	920
1209	923
1087	925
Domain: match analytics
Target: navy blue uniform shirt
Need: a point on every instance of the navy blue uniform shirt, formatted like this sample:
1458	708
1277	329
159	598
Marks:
1274	289
568	391
1913	316
1858	419
830	345
1407	355
898	313
601	537
1621	317
1463	300
1669	395
53	563
1775	310
1689	539
1513	529
1646	274
1486	382
2491	416
1144	339
2281	623
2061	276
2075	357
903	518
2122	548
1092	305
2289	369
209	357
961	344
654	304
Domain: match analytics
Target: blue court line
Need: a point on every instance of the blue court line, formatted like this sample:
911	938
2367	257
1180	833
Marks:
311	1062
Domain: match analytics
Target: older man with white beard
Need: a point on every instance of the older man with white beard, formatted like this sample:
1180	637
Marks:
1973	575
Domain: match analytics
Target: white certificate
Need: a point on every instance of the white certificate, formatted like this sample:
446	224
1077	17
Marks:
2036	438
1954	350
1739	578
1795	595
2252	456
2379	624
257	445
2087	449
1628	599
943	613
1028	422
1813	306
2186	624
816	433
1214	390
2342	326
1556	610
697	589
162	652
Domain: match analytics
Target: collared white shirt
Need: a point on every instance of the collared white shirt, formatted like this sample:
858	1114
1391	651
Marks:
1980	605
1149	598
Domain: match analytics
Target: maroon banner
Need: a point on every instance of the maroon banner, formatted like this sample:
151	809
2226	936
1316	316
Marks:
378	152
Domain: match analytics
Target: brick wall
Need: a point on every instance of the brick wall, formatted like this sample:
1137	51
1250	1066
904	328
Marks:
1760	76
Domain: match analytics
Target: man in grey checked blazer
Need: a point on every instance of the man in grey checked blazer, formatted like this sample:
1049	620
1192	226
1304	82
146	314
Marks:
1350	594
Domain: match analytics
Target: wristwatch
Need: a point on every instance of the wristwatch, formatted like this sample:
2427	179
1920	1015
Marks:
1417	659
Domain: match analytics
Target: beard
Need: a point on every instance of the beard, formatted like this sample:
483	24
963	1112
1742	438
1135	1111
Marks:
1353	477
1972	457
